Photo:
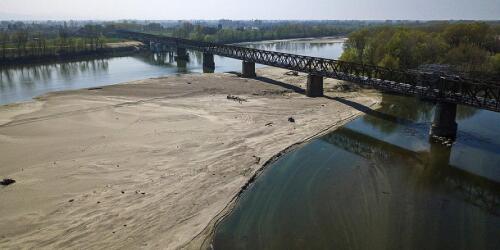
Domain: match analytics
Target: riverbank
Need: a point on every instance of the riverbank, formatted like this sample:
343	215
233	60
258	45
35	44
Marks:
308	40
109	50
150	163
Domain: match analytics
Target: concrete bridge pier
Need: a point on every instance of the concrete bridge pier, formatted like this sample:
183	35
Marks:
182	54
208	63
314	86
248	69
182	58
444	124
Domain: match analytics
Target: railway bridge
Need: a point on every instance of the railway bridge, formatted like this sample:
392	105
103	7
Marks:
445	90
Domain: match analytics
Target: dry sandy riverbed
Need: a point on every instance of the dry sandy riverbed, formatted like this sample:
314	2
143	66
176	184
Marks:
148	164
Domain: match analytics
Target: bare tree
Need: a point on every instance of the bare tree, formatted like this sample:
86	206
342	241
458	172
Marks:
21	40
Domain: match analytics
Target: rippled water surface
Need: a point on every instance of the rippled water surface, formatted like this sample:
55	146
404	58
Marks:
377	183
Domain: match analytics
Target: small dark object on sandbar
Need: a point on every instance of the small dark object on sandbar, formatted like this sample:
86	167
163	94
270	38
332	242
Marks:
6	182
290	119
236	98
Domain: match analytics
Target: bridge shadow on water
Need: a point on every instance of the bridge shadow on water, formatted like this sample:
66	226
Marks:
372	112
394	119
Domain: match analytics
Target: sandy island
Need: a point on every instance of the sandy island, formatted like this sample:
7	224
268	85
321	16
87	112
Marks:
151	163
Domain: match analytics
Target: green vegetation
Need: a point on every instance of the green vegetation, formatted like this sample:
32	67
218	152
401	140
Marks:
30	43
20	40
248	34
466	47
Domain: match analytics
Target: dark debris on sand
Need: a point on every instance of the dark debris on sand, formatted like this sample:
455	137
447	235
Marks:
6	182
236	99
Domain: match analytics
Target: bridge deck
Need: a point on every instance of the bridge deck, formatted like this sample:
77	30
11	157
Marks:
441	88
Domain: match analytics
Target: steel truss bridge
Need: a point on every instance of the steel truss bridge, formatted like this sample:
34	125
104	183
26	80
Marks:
435	87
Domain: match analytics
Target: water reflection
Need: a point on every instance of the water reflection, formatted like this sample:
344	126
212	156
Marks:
377	183
160	59
29	75
436	166
17	82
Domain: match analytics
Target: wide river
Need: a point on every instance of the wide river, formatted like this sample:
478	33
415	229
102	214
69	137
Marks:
376	183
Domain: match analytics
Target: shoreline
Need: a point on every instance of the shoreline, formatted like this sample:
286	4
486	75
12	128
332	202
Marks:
204	239
313	40
126	49
154	146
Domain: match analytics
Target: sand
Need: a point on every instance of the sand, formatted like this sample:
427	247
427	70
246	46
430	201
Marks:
334	39
151	163
124	44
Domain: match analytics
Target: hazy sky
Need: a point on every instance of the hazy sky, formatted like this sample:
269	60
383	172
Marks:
249	9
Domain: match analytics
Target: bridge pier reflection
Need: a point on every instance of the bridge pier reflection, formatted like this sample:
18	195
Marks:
248	69
438	170
439	157
208	63
444	124
314	86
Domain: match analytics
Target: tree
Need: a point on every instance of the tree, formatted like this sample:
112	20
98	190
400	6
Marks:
467	57
466	46
4	39
495	63
357	43
21	40
477	33
63	38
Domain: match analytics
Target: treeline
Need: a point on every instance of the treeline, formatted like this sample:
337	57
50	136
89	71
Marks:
248	34
32	43
464	47
22	40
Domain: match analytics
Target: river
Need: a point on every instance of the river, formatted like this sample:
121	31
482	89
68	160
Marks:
22	83
375	183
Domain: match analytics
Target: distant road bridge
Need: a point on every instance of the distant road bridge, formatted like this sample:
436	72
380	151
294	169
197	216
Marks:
446	90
